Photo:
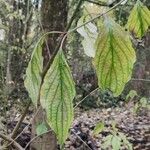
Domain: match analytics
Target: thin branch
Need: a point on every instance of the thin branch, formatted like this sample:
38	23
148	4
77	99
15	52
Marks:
86	97
36	138
25	127
41	26
145	80
99	3
133	79
96	17
9	139
81	140
104	4
74	29
74	14
20	120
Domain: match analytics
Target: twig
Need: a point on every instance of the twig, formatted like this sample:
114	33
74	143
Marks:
81	140
96	17
43	32
20	120
25	127
9	139
74	15
133	79
145	80
85	97
74	29
36	138
99	3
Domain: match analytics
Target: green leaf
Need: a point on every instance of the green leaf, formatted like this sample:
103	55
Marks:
116	142
107	141
89	32
139	19
57	94
113	124
114	57
41	128
136	108
131	95
98	128
33	73
143	102
125	141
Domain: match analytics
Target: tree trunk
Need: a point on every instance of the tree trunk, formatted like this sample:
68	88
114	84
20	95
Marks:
141	70
53	18
17	37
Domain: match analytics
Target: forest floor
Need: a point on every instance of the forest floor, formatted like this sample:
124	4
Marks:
136	127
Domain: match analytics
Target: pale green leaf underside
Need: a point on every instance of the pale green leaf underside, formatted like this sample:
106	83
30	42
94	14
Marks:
139	19
114	57
57	93
33	73
89	32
